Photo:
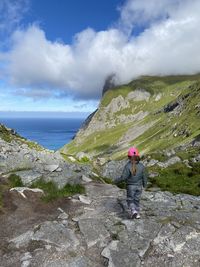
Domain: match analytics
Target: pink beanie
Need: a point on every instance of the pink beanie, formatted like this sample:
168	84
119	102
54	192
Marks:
133	152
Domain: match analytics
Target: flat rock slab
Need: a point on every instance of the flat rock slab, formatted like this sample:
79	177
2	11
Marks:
85	200
51	167
93	231
75	262
50	232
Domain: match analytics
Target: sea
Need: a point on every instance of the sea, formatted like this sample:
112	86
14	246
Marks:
51	133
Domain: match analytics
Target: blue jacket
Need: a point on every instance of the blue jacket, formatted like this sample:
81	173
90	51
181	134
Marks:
139	179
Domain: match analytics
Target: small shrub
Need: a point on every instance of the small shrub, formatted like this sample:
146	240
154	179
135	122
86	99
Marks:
15	181
179	179
84	159
108	180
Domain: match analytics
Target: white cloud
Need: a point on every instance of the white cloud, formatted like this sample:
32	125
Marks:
169	45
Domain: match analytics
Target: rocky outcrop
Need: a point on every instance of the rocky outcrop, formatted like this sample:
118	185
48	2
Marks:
31	165
111	115
99	233
139	95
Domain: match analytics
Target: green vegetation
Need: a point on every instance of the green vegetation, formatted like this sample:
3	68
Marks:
179	179
169	130
107	180
5	134
12	181
52	192
84	160
110	94
15	181
9	135
33	145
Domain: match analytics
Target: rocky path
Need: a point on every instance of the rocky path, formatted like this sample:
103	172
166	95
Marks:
93	230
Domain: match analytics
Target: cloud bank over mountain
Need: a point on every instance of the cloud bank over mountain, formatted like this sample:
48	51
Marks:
151	38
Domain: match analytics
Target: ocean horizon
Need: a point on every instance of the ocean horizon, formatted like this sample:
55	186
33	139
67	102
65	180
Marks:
51	133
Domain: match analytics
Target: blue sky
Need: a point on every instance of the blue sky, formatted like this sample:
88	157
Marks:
63	19
56	55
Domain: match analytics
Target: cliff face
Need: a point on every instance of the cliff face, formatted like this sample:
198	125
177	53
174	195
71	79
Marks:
152	113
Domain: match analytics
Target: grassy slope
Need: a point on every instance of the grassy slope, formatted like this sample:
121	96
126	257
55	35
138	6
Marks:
159	136
8	135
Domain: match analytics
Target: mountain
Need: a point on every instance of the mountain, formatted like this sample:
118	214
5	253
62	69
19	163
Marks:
152	113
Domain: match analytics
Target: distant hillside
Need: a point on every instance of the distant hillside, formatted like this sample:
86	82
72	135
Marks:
152	113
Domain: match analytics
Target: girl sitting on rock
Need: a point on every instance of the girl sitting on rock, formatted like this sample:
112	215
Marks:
135	175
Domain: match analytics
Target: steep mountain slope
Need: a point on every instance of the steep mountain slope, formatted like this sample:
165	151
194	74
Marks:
152	113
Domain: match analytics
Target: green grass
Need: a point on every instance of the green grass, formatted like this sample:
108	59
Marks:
52	192
9	135
33	145
5	134
188	153
110	94
107	180
15	181
84	160
179	179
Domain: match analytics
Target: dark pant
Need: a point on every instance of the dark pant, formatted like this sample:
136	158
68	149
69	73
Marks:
133	197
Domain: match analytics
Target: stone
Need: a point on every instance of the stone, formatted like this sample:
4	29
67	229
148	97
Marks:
52	233
29	176
85	200
59	169
23	239
51	168
94	231
152	162
158	97
139	95
63	216
27	256
22	191
169	162
72	158
55	233
86	179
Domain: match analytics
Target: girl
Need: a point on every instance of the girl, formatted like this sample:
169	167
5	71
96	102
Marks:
135	175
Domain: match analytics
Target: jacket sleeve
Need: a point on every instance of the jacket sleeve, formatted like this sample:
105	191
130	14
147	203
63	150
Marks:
125	174
145	178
